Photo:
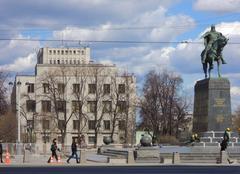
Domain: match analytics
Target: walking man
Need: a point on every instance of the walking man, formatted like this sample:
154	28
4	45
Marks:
74	151
1	151
54	149
225	140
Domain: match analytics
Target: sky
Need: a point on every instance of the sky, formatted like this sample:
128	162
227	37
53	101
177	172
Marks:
162	27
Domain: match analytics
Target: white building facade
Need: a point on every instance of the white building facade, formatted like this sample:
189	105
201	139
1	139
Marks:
71	97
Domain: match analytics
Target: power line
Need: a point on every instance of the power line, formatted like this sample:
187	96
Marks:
105	41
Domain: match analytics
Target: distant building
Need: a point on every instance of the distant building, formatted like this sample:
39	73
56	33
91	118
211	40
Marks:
70	96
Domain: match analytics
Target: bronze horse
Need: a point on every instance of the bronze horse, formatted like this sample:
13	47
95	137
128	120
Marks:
214	54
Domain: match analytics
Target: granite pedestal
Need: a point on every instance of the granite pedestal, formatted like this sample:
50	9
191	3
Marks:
212	105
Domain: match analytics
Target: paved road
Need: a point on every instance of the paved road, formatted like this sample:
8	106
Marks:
122	170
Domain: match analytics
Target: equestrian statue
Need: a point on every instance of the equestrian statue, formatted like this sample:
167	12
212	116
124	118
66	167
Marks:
214	43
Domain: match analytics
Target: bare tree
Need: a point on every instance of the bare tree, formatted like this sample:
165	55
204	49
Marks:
79	89
123	102
56	83
236	119
162	108
96	89
8	125
3	90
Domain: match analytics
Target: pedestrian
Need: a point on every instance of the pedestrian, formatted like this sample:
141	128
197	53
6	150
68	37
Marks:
74	151
197	139
225	141
1	151
54	149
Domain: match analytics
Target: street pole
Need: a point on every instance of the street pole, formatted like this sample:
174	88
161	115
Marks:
18	120
19	113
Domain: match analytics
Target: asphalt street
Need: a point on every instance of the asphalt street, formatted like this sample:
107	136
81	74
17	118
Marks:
122	170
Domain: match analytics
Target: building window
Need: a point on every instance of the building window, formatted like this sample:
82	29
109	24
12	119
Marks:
74	52
30	124
107	106
91	139
54	51
76	105
106	124
61	106
106	89
76	124
61	124
76	88
46	106
31	105
121	106
83	52
30	88
62	52
61	88
45	124
66	61
92	106
50	61
54	61
58	52
58	61
70	61
45	88
91	124
121	88
50	52
121	124
91	88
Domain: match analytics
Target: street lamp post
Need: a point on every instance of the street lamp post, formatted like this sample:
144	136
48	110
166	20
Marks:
19	112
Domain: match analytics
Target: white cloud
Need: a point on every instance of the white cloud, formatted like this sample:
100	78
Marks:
217	6
18	55
235	90
59	13
21	64
159	27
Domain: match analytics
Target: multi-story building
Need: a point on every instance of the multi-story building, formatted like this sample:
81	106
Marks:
71	97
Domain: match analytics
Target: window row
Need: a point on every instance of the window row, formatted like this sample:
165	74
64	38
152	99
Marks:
76	88
60	106
76	124
74	61
66	52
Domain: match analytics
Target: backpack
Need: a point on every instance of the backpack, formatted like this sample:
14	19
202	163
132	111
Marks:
52	147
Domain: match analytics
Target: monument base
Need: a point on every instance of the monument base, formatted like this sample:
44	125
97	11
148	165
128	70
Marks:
212	105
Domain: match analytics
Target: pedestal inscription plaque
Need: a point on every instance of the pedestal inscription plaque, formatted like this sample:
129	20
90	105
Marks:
212	105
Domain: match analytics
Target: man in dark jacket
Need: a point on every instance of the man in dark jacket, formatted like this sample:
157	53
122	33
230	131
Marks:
54	149
1	151
225	141
74	151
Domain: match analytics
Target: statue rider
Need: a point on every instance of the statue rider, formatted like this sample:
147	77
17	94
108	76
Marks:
209	38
